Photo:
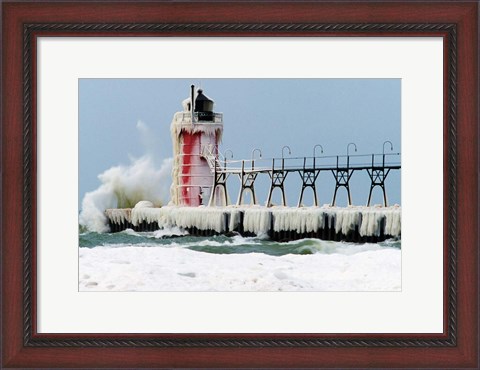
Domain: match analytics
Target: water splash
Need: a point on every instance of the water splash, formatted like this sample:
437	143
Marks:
123	186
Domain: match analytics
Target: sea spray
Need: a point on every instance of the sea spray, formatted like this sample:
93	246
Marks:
123	187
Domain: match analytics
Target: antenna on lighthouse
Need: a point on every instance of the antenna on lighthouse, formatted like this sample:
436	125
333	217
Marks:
192	102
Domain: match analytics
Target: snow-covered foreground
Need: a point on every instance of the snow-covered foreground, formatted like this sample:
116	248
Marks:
134	268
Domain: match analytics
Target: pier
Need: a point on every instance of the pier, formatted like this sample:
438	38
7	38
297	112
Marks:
279	223
199	193
376	166
352	224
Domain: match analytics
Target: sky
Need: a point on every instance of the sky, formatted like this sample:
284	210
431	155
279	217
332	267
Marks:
258	113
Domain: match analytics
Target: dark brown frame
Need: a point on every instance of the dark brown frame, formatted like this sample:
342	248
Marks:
456	22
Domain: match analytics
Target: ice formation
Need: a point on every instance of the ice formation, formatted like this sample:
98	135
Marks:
393	224
256	220
304	219
181	124
203	218
260	220
119	216
144	204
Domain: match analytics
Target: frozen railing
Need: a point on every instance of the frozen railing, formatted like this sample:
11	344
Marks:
186	117
361	161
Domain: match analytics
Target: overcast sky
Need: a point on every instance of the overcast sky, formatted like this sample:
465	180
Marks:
258	113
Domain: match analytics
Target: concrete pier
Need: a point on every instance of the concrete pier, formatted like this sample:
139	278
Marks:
352	224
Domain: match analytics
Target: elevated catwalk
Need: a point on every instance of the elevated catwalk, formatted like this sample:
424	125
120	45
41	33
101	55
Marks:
353	224
200	174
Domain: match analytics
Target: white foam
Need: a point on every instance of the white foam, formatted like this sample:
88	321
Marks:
123	187
130	232
169	231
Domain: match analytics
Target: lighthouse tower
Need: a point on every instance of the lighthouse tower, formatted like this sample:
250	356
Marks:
196	133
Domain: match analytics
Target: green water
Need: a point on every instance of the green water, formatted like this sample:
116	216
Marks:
227	245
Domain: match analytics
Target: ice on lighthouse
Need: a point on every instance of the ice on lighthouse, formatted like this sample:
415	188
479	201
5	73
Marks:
196	133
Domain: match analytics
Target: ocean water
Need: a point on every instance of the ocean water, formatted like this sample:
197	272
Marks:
172	260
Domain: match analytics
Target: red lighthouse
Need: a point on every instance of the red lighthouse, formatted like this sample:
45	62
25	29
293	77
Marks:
196	133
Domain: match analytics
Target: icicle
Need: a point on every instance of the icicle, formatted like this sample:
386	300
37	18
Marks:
258	220
118	216
371	223
234	219
393	222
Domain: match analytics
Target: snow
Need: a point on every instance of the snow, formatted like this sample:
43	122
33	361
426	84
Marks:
175	268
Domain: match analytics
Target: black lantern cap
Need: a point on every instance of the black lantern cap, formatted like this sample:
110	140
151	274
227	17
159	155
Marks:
203	103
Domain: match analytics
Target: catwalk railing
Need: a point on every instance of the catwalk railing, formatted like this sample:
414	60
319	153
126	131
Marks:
282	223
342	167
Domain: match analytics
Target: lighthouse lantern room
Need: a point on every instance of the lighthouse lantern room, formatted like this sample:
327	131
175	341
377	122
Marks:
196	133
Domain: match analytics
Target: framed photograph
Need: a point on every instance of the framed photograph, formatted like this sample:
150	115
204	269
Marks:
240	184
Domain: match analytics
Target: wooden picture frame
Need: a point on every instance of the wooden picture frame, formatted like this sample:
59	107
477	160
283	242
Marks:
456	22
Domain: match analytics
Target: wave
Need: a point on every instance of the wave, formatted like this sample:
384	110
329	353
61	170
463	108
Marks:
221	244
169	232
123	186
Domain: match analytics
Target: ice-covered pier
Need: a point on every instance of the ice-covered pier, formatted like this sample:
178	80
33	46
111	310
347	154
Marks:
200	174
354	224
